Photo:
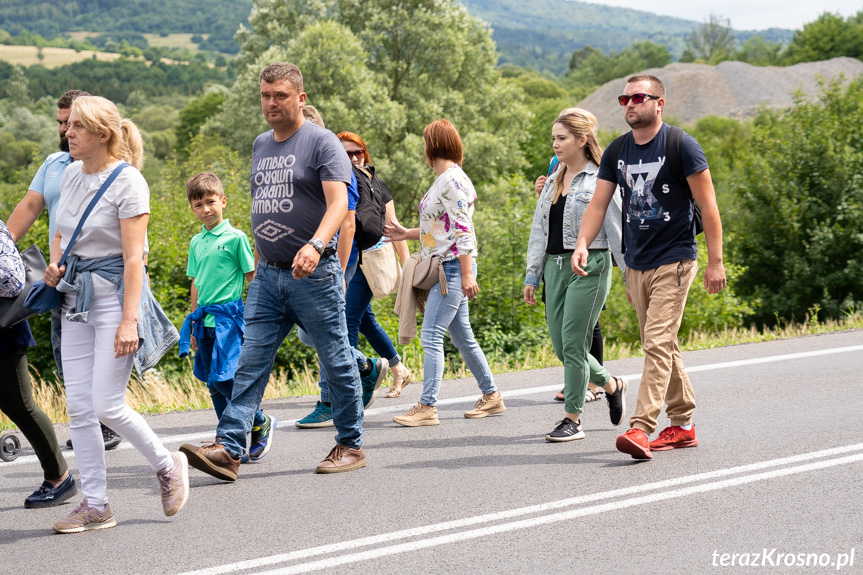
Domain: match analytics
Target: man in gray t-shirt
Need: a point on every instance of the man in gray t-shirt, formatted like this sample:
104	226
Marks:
299	199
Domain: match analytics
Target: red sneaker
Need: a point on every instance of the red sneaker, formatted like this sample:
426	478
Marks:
674	437
634	442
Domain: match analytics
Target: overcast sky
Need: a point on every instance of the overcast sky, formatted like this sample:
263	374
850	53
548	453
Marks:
745	14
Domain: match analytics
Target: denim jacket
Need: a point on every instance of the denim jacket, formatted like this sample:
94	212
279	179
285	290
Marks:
156	333
577	199
230	328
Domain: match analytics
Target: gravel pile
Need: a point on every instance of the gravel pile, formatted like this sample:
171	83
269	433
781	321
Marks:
733	89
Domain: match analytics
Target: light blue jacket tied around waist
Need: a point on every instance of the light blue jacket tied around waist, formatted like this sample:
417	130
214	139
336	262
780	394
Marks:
230	328
156	333
577	199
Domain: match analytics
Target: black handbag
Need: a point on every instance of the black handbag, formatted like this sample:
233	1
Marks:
12	310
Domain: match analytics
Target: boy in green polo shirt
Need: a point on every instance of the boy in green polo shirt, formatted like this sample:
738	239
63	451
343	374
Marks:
220	258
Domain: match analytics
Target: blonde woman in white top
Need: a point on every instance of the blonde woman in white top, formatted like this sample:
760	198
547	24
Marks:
98	348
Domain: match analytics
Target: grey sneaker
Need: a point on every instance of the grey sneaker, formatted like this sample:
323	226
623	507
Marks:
174	483
86	518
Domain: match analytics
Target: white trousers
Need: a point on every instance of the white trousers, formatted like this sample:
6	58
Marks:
96	391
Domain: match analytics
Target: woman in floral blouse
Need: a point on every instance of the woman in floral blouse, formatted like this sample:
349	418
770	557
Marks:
446	230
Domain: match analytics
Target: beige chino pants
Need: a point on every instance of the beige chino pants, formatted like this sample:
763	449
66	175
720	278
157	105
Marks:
659	297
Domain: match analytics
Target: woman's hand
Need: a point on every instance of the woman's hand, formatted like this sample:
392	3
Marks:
469	287
395	232
53	275
126	339
539	185
529	292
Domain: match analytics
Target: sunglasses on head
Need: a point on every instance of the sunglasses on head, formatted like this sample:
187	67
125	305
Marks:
636	98
356	153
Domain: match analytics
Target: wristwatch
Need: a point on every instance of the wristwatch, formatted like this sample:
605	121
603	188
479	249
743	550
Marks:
318	245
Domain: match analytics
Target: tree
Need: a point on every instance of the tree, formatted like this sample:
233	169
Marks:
800	220
385	71
593	68
713	41
193	116
828	37
759	52
18	88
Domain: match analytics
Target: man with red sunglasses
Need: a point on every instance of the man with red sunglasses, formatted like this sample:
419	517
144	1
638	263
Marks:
659	236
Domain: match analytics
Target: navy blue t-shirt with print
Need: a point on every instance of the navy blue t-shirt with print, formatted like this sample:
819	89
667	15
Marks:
658	211
288	200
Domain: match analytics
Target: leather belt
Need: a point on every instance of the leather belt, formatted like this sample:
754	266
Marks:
328	252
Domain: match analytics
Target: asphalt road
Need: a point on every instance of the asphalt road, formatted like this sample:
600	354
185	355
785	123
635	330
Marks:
775	484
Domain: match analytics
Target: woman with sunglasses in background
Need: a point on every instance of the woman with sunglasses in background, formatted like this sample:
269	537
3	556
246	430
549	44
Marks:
573	302
358	309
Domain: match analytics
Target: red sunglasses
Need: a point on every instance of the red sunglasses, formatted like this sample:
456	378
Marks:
356	153
636	98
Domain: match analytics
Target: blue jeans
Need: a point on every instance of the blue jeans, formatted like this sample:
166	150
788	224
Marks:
220	391
361	319
450	313
275	303
359	356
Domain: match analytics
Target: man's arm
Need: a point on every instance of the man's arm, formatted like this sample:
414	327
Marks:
591	223
346	238
336	194
25	213
701	185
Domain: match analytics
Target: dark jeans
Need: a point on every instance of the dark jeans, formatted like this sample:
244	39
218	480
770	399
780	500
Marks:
16	401
220	391
361	319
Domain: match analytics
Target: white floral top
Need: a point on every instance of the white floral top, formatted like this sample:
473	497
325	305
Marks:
446	217
11	266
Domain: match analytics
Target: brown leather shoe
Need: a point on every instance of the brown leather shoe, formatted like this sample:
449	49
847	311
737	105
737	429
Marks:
342	458
212	459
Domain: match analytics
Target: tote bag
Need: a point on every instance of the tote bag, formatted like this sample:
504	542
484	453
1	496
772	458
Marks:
382	270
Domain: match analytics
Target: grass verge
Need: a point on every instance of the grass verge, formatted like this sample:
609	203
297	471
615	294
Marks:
156	394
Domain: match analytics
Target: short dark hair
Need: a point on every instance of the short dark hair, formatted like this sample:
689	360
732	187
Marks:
202	185
442	141
65	101
283	71
655	83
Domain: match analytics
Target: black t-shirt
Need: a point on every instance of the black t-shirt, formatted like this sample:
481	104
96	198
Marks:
554	245
658	210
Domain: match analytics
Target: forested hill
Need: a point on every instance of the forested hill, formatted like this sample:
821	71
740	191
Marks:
543	34
49	18
538	33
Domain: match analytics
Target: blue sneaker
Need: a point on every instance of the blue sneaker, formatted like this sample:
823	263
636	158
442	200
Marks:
322	416
262	438
372	382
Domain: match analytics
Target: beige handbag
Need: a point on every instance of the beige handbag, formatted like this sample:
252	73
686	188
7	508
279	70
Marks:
428	273
382	270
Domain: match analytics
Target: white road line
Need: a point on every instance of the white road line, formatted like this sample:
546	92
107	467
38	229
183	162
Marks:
558	517
208	435
533	509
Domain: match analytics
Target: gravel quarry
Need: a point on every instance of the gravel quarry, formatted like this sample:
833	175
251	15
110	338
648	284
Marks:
732	89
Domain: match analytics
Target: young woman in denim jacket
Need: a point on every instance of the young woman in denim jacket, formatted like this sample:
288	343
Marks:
446	230
574	303
102	332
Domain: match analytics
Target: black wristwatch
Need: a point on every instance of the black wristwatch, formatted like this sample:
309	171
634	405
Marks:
318	245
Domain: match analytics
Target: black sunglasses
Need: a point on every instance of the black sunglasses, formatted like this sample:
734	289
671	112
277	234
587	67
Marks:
356	153
636	98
